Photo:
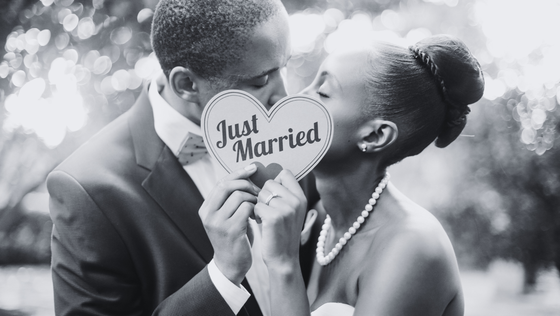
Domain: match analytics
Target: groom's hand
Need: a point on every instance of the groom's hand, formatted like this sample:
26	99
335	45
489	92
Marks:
225	214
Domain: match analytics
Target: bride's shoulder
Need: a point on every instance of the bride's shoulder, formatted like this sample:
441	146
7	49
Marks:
410	219
412	258
416	235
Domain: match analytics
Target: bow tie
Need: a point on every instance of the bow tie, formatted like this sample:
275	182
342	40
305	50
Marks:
193	149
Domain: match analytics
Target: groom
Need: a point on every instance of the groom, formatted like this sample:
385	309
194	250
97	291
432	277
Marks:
127	237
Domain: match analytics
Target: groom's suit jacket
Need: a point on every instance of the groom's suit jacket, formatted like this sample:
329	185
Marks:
127	238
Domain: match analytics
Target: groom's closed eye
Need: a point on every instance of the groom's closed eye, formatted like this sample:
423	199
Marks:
260	81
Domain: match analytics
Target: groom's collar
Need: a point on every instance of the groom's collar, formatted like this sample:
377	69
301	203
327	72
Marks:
147	145
171	126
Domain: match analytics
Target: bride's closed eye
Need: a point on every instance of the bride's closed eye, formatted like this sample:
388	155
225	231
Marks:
322	95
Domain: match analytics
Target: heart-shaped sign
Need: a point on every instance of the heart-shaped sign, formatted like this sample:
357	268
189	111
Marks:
294	134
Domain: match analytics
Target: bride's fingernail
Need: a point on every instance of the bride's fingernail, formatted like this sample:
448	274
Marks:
251	167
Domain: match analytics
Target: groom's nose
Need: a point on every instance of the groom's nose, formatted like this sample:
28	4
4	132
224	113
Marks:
278	90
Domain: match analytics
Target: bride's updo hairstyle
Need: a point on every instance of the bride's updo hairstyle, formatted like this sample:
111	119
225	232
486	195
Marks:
424	89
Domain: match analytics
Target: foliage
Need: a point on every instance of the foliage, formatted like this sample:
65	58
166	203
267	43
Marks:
27	240
59	64
516	203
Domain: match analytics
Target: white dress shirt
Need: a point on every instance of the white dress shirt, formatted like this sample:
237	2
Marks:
172	128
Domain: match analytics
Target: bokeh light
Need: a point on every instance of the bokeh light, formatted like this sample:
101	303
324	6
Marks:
86	28
70	22
71	54
144	15
450	3
520	50
525	45
121	35
304	30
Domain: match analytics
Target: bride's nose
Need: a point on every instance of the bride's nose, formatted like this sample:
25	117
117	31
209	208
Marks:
306	91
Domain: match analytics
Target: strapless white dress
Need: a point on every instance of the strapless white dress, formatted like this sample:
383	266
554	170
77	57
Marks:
334	309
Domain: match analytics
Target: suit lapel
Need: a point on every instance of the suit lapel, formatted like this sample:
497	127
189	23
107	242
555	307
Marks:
168	183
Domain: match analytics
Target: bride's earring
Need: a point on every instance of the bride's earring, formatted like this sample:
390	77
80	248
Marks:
364	148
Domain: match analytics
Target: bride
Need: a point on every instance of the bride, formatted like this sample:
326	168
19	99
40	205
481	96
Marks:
378	253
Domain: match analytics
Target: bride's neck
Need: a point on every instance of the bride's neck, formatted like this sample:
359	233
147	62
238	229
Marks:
345	194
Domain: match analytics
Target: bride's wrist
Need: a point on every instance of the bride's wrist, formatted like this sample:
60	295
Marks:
283	267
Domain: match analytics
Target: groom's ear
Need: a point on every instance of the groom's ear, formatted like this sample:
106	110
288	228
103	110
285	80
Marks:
185	84
376	135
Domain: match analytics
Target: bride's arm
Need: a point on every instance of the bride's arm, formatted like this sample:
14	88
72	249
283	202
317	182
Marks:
287	292
282	220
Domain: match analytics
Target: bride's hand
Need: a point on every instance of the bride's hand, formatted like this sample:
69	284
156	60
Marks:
281	208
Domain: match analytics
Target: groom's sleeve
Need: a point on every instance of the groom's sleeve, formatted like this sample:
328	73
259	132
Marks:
235	296
198	297
91	268
92	271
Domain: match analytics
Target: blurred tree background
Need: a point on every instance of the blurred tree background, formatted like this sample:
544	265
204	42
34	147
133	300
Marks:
69	67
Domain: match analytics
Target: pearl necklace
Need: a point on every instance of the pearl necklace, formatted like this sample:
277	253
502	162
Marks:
324	260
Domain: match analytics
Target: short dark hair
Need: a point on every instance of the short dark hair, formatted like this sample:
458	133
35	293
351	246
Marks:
424	89
206	35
